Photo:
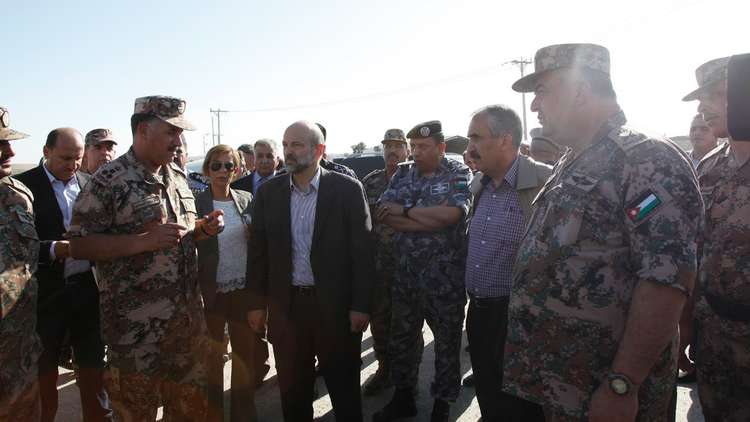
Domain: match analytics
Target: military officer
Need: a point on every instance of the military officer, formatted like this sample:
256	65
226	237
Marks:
426	204
395	151
608	258
20	346
137	219
722	309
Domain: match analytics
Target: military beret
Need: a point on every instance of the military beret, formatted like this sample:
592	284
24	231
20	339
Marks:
426	130
575	56
97	136
6	133
167	109
708	73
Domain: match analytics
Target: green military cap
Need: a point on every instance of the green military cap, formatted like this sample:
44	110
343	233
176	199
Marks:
6	133
394	135
560	56
707	74
97	136
167	109
426	130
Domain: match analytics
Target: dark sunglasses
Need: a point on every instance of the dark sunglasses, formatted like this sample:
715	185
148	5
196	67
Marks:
229	166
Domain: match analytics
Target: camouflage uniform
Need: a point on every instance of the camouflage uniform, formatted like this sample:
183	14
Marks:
429	284
625	210
723	340
20	346
152	316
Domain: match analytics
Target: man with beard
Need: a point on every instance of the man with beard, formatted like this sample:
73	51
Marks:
100	149
20	347
311	268
137	219
722	303
702	139
426	204
608	257
395	151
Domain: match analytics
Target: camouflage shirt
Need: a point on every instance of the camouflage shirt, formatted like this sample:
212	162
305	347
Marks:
375	184
19	249
450	186
625	210
152	296
725	251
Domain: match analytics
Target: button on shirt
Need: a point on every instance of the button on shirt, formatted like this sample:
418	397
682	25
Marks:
66	194
303	223
495	232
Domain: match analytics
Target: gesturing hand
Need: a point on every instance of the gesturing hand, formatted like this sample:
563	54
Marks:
162	236
213	223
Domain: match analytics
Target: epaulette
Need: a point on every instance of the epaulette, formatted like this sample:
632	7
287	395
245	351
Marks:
109	172
628	139
177	169
19	187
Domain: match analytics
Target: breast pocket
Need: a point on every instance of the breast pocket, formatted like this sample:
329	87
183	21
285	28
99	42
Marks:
566	208
187	206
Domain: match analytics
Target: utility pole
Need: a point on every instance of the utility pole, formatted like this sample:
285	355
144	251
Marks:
218	112
521	63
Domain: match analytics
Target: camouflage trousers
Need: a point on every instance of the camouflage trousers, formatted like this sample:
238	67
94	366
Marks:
413	303
723	368
25	406
141	380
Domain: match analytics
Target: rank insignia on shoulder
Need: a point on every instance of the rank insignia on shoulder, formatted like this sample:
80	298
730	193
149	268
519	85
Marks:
643	206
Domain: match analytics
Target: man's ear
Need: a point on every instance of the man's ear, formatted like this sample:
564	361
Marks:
46	151
441	147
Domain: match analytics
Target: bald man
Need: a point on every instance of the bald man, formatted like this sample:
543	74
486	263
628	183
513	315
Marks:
312	268
68	295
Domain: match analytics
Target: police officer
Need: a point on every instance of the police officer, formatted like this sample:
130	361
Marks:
137	219
426	204
608	257
722	309
395	151
20	347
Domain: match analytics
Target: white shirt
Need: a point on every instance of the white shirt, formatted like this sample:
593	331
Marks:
230	274
66	194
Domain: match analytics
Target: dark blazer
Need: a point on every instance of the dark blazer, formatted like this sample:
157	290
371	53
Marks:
341	255
208	249
244	183
50	227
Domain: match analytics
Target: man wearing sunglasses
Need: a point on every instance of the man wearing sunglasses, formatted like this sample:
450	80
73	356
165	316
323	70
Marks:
137	219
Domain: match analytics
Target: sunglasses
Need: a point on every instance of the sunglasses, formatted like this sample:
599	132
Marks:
216	166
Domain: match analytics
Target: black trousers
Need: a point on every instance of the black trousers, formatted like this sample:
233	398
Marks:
297	339
75	310
486	329
228	309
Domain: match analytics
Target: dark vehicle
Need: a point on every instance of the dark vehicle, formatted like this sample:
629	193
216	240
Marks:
363	164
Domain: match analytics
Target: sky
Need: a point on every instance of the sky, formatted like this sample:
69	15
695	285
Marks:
357	67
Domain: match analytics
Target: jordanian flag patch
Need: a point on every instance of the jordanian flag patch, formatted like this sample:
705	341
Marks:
643	206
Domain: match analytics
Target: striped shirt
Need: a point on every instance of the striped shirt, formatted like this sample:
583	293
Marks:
495	232
303	222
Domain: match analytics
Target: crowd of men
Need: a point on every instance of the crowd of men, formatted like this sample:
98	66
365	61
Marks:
590	264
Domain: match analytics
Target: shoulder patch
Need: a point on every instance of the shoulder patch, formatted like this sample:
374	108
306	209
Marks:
643	205
107	173
628	139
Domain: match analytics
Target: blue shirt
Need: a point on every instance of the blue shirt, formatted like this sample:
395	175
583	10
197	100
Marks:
495	232
303	204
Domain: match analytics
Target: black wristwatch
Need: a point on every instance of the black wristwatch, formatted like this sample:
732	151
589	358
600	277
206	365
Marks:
406	209
619	384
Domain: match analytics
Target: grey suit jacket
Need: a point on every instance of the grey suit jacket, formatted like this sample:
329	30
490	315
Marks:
208	249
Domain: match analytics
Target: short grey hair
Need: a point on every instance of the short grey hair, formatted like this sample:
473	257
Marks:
270	143
502	120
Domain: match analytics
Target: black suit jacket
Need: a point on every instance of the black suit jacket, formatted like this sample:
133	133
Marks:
341	255
244	183
50	227
208	249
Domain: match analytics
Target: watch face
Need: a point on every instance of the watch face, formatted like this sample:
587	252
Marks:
619	386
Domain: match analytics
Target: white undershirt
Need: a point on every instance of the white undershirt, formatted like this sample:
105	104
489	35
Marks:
230	274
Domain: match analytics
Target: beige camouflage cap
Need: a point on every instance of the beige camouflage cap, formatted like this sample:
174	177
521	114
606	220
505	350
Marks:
707	74
590	56
97	136
6	133
394	135
168	109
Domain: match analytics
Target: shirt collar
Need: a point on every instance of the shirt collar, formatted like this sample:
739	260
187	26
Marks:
314	182
53	179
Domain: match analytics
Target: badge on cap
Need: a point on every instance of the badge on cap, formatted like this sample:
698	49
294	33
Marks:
424	131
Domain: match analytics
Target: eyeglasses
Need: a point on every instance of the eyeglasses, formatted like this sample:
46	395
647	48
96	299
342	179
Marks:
216	166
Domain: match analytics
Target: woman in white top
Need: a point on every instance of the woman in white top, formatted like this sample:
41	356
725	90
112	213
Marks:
222	264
